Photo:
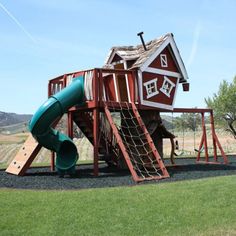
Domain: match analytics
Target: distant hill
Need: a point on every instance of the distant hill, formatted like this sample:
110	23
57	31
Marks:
11	123
8	119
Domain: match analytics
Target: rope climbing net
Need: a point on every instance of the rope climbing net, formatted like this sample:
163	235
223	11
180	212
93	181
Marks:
138	148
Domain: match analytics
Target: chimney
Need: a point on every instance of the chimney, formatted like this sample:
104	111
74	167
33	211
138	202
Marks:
140	34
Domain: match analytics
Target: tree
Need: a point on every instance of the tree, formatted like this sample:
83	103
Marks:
224	105
186	121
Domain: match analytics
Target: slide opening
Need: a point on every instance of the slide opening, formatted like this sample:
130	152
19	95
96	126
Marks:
67	155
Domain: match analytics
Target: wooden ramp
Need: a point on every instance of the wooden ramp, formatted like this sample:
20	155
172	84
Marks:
24	157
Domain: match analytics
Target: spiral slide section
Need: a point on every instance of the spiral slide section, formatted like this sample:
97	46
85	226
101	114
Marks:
41	125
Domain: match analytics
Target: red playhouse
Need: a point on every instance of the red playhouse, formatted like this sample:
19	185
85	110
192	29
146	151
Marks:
117	108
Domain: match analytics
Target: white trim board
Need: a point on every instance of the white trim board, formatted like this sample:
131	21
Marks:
127	82
140	85
176	90
111	56
168	41
163	72
115	86
179	60
157	105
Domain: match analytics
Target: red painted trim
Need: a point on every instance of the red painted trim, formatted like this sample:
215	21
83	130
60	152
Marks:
221	149
100	88
95	141
151	143
132	86
70	124
205	137
97	76
190	110
121	145
212	133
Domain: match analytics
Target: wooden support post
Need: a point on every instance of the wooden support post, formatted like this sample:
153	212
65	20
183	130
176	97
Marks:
70	124
96	122
100	86
95	140
205	138
200	148
213	133
172	153
52	161
216	141
221	149
133	87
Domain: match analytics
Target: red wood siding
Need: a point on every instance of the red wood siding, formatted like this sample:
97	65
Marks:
78	74
160	97
109	88
116	58
171	64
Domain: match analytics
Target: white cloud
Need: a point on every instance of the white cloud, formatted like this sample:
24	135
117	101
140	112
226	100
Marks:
27	33
196	37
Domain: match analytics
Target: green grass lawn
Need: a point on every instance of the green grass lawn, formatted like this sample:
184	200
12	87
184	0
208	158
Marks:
200	207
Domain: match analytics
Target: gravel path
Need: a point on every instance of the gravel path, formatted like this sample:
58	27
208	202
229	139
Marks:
42	178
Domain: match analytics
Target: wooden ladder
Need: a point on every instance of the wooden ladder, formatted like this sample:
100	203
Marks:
24	157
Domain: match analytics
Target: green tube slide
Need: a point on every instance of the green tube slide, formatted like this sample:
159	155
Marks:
42	120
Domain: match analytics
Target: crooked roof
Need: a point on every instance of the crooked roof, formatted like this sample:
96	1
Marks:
140	55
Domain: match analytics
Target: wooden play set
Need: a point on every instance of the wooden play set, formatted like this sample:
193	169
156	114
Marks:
117	108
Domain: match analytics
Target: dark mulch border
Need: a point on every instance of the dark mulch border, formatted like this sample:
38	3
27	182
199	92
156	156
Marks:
41	178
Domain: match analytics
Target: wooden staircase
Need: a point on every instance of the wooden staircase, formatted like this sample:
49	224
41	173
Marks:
84	120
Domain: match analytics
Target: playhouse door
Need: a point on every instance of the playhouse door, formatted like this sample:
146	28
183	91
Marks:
121	83
122	88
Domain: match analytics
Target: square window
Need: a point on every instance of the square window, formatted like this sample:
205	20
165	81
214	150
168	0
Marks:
167	86
151	88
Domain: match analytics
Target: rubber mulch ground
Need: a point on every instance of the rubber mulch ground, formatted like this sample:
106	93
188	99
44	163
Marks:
42	178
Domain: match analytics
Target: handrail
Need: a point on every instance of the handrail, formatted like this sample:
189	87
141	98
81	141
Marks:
61	81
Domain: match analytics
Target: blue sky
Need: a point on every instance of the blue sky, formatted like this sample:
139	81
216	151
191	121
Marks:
41	39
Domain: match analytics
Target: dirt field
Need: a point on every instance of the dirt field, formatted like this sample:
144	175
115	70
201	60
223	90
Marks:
10	144
188	143
13	139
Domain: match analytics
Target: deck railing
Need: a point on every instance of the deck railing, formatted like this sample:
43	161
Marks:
100	85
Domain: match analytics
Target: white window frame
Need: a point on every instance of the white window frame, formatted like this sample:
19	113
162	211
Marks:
149	85
163	88
164	62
